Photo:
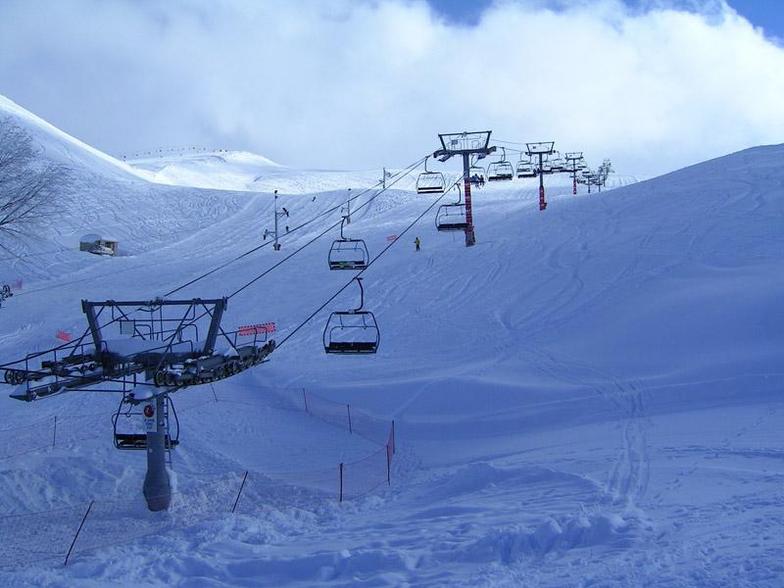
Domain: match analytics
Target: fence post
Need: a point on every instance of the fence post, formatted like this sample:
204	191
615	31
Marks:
54	432
340	495
348	410
245	477
305	398
389	465
79	530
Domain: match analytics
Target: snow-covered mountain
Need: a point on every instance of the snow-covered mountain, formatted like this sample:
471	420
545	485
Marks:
243	171
592	395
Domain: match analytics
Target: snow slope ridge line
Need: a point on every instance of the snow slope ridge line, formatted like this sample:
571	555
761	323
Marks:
64	148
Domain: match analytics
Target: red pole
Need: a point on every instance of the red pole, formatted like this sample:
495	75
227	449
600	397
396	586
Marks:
470	235
542	202
574	183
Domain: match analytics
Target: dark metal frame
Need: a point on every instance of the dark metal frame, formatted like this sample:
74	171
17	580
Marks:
81	365
423	177
347	244
574	157
368	323
494	173
444	211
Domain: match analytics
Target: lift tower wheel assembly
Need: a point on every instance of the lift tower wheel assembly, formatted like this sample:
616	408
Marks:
466	144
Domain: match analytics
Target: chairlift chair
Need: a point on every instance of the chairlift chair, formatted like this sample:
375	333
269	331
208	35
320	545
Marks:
452	217
525	168
430	182
501	169
348	254
129	434
476	175
557	162
352	331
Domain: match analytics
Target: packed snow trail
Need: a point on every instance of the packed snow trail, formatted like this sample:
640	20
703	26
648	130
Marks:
590	395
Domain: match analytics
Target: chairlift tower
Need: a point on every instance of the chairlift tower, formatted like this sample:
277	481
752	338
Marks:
466	144
574	159
604	171
147	358
276	232
541	149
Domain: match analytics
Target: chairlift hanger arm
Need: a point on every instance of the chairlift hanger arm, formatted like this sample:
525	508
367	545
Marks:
361	294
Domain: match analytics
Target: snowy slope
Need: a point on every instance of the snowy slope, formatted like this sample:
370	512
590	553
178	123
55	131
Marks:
63	148
590	396
239	170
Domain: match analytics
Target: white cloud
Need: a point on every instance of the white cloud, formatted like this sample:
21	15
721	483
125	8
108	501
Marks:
361	84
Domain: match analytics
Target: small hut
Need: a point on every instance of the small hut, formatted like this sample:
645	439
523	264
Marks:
94	243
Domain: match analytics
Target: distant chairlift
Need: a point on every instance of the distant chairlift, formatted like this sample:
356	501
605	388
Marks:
352	331
526	168
557	163
452	217
430	182
348	254
501	169
476	175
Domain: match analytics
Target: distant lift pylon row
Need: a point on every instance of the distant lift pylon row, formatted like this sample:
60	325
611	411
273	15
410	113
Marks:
356	331
432	182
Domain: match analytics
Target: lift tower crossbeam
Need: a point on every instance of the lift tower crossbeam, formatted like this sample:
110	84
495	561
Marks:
465	144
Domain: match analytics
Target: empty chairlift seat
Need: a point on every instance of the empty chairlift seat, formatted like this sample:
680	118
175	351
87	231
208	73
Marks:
526	169
352	331
127	421
451	217
430	182
501	169
348	254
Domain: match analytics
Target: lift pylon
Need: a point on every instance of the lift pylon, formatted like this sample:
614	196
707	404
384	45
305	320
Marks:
540	149
465	144
573	160
145	350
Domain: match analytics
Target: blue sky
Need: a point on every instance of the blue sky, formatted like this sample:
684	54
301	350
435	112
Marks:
360	84
768	14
